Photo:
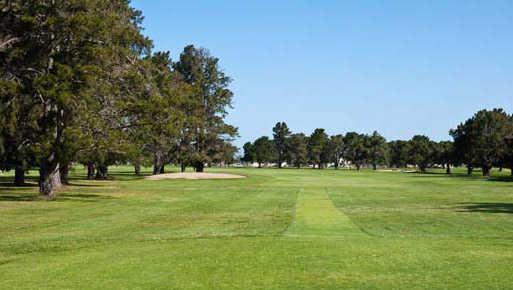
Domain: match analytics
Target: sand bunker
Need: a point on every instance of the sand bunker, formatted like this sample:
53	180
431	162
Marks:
195	175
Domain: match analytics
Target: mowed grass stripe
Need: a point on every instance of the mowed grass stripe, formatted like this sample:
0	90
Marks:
317	216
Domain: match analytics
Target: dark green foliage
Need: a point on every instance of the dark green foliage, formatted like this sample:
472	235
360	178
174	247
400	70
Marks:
421	152
66	57
264	150
208	105
297	150
78	83
398	153
249	153
377	148
356	150
444	155
280	133
336	149
317	145
481	140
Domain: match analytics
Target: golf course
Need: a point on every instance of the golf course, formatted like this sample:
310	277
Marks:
274	229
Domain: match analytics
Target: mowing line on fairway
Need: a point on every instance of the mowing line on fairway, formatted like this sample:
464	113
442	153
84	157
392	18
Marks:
317	216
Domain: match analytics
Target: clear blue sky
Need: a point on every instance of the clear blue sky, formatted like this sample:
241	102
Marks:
398	67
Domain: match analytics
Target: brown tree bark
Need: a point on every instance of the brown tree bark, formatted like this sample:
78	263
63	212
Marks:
158	163
19	175
64	173
486	170
199	166
49	179
90	171
102	172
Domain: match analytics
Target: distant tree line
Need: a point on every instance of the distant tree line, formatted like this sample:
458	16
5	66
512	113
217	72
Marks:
79	83
484	141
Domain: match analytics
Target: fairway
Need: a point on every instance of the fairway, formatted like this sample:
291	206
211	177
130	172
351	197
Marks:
275	229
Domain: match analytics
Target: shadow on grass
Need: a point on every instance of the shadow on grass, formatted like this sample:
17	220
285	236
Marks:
82	197
83	184
445	175
501	178
59	198
487	207
18	197
460	175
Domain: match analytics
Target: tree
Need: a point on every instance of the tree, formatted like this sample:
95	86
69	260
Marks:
209	105
398	153
481	140
63	56
336	149
249	153
377	148
280	133
421	152
223	153
160	118
317	146
264	150
356	152
297	151
445	154
508	154
506	159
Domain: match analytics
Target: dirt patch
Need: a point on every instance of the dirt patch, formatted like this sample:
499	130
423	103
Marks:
195	175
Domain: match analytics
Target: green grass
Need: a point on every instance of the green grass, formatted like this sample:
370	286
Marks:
276	229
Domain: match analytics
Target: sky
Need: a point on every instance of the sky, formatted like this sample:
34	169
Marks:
399	67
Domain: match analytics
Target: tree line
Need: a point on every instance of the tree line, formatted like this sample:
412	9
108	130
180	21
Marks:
483	141
80	83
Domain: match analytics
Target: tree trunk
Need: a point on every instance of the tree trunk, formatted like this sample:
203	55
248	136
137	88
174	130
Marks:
199	166
162	169
19	175
64	172
137	168
49	179
279	162
374	166
259	164
102	172
357	167
158	163
470	170
157	168
90	171
486	170
448	169
422	169
182	167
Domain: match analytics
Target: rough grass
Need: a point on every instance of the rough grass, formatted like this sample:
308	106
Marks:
276	229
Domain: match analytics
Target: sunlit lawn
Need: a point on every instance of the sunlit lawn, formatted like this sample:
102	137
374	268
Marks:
276	229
